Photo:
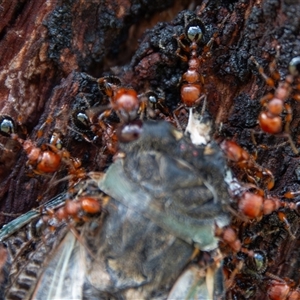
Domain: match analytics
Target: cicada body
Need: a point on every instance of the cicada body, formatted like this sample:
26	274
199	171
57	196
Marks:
165	198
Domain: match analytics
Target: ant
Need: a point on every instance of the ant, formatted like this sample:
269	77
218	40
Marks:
153	103
254	205
247	267
127	104
129	107
124	101
246	162
192	82
253	267
84	123
279	289
46	159
74	210
78	209
270	120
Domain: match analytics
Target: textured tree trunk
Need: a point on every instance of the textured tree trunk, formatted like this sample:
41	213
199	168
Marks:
51	51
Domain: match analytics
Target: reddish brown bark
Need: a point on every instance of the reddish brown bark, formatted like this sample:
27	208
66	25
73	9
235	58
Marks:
45	47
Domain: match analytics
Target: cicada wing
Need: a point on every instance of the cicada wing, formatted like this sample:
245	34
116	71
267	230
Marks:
63	277
198	283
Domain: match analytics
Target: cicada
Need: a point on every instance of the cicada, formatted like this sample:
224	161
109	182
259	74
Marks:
166	196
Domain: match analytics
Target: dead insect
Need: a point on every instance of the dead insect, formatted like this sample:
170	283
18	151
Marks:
167	196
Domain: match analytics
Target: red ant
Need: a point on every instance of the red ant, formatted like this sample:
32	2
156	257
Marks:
192	88
127	104
256	205
279	289
269	119
124	101
78	209
253	264
250	263
246	162
46	159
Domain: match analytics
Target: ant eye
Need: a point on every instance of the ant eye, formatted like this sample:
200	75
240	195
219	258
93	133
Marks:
294	66
194	33
81	121
7	125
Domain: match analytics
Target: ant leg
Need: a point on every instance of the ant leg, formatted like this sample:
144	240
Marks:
206	49
105	114
269	80
265	99
179	127
287	226
204	98
48	121
296	96
143	106
181	46
288	120
273	66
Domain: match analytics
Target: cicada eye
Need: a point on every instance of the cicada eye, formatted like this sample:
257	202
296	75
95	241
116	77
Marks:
294	66
7	125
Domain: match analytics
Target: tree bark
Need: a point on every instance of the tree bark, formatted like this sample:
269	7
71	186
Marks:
52	51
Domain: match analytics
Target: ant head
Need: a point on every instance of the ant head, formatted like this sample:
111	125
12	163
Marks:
152	97
7	125
130	132
108	83
258	262
81	121
194	30
126	104
294	66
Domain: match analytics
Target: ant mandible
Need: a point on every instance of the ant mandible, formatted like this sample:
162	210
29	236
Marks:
269	119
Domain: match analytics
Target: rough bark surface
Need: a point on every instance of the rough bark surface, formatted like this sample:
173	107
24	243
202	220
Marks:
51	51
